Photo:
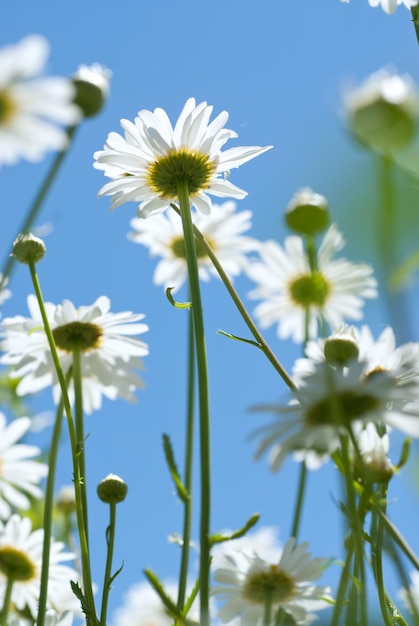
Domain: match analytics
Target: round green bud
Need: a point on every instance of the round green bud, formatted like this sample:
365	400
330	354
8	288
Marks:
341	347
308	212
112	489
92	88
28	249
383	112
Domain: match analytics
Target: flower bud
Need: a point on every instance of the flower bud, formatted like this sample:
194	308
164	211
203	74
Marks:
92	88
28	249
308	212
66	500
383	111
341	347
112	489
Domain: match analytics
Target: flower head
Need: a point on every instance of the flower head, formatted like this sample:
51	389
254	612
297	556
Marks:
32	108
383	111
330	402
21	558
109	352
19	474
92	88
246	584
223	229
147	164
390	6
290	290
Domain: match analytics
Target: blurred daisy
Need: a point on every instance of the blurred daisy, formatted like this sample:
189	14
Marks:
390	6
32	108
143	607
109	351
263	542
223	229
290	290
148	162
18	474
331	401
287	583
21	560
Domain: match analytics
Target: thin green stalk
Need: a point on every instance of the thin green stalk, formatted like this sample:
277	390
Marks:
415	20
399	539
241	308
377	536
356	528
48	510
187	520
404	579
39	198
343	584
73	439
80	480
204	414
110	538
6	602
299	503
267	615
79	421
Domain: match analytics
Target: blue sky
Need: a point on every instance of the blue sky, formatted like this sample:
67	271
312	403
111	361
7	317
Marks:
279	68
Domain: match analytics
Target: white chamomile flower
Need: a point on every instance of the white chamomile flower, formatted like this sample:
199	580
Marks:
143	607
21	559
147	164
32	108
109	351
223	228
19	474
245	586
390	6
290	291
331	401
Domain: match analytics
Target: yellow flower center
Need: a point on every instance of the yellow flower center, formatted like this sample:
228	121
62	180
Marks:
81	335
185	165
310	290
178	248
7	107
341	409
273	583
16	565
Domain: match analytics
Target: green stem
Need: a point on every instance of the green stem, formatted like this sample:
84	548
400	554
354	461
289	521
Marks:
187	520
399	539
73	440
39	198
415	20
267	615
110	538
80	480
204	415
6	602
343	584
377	537
242	309
396	560
299	503
48	511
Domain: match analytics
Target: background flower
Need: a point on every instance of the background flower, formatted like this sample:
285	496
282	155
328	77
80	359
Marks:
31	108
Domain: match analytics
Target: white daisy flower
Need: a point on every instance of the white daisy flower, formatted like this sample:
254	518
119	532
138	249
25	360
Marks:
329	402
289	290
109	351
32	108
263	542
390	6
21	559
223	229
143	607
373	448
410	596
246	586
148	162
19	474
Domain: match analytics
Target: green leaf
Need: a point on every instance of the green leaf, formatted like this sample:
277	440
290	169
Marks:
177	305
159	589
220	538
230	336
183	493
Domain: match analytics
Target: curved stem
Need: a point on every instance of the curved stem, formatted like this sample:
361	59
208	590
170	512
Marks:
187	520
48	510
6	602
299	503
110	539
37	203
262	344
204	415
